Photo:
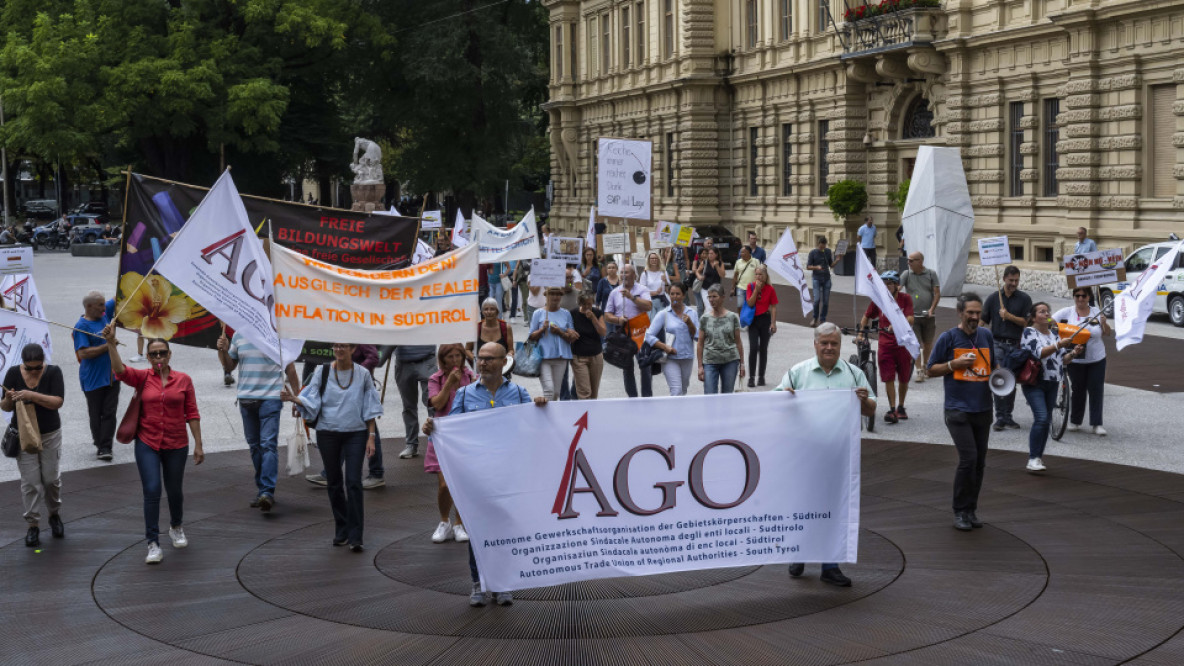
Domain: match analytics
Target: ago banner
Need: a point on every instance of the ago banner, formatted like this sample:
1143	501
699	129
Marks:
580	490
156	211
426	304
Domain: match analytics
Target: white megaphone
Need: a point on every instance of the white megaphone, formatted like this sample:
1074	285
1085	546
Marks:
1002	382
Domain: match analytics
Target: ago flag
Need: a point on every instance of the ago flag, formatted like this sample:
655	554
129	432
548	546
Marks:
785	261
18	329
458	230
590	237
582	490
217	260
1133	306
20	292
868	283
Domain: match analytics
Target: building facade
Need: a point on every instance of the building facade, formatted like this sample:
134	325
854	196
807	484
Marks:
1068	113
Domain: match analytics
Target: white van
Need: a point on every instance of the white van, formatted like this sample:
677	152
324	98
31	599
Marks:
1169	297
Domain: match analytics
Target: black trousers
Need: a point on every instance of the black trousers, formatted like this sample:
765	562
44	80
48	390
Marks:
348	450
102	405
970	431
758	344
1088	380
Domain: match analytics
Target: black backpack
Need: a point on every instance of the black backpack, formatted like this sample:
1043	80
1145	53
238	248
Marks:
619	348
312	423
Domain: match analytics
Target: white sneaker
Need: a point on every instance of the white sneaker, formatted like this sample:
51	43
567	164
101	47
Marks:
460	533
155	554
136	359
443	533
1034	465
177	534
1099	431
1073	427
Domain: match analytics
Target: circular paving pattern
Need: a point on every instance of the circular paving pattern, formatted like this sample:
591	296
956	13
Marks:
1080	565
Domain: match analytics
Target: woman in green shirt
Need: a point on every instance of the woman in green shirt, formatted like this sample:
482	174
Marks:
720	348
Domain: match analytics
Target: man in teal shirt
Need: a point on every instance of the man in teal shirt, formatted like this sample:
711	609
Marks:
827	371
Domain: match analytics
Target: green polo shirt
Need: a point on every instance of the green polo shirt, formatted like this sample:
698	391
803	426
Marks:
809	375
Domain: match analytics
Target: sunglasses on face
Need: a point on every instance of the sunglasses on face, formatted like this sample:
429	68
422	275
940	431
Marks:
1080	295
157	354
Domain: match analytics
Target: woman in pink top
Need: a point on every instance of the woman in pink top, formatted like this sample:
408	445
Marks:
442	388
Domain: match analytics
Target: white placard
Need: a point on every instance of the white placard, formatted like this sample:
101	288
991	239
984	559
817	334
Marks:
624	174
16	260
597	489
548	273
565	249
841	247
994	251
615	244
657	243
432	219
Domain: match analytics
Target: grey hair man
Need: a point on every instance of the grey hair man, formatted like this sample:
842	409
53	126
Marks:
94	372
923	286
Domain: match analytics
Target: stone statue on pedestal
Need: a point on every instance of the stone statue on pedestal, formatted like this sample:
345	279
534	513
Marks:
368	188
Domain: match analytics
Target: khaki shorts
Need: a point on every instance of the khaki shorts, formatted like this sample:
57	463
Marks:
925	328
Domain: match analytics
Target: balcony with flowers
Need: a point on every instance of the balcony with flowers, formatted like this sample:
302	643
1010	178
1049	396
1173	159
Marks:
889	25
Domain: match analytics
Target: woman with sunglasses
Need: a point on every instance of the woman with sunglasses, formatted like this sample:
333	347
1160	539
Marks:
41	385
167	403
344	413
1087	373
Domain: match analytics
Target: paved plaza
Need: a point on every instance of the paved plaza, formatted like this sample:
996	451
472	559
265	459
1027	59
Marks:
1081	565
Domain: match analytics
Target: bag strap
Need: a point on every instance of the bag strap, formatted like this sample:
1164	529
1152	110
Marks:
324	380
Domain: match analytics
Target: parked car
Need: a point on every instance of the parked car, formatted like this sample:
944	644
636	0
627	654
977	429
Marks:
1169	297
85	228
726	242
41	209
96	208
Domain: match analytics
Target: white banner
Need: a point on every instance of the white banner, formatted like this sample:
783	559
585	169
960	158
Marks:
496	245
868	283
16	331
16	260
218	261
425	304
623	185
20	293
582	490
785	261
1133	306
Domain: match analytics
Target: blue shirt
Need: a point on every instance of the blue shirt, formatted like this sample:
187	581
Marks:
341	409
94	373
758	253
551	344
259	377
961	395
684	342
867	236
1087	245
475	397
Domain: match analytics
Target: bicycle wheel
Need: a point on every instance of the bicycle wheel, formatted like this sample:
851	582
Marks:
869	370
1060	411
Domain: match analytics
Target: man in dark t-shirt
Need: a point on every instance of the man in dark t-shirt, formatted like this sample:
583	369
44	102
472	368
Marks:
1006	312
821	261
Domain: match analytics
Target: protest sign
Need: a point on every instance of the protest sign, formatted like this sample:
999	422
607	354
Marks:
1093	268
657	243
584	490
994	251
841	247
157	210
685	236
548	273
20	293
218	263
567	250
666	231
431	219
16	260
623	186
496	245
785	261
427	304
18	329
616	243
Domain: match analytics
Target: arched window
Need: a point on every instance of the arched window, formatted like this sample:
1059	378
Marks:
918	120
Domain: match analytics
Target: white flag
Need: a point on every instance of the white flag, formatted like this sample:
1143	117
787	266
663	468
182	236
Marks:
218	261
458	230
21	292
423	252
1133	306
17	330
868	283
785	261
590	239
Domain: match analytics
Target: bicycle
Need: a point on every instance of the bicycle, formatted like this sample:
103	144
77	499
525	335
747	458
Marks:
865	360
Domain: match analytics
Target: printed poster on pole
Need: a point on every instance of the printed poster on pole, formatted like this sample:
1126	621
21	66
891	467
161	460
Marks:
624	187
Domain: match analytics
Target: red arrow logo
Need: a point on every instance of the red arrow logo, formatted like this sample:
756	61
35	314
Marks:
582	425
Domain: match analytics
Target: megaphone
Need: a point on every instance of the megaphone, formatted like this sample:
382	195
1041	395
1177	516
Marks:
1002	382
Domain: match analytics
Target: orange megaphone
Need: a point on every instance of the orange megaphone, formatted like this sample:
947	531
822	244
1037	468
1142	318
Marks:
1075	335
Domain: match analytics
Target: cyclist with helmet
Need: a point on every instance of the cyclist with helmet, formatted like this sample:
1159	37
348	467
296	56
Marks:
895	361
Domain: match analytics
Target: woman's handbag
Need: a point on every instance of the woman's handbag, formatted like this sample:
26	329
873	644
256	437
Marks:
528	359
12	440
506	284
26	422
747	314
297	443
129	425
1029	374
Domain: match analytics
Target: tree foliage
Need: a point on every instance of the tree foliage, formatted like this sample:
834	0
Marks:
846	198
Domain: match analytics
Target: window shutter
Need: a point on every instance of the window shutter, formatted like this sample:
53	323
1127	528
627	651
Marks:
1163	156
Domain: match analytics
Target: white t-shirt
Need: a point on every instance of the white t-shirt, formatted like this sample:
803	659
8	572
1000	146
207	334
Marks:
654	281
1095	349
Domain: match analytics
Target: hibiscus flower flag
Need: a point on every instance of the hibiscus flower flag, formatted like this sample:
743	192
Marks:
217	260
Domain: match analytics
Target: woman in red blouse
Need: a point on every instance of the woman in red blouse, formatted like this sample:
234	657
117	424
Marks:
167	403
763	299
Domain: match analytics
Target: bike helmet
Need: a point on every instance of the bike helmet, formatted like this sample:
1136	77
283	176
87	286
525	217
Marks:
890	276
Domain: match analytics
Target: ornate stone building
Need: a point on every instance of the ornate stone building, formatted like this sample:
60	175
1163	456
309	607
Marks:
1067	112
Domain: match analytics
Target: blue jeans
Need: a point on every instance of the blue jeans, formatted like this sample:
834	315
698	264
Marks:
346	449
165	467
821	298
261	427
1004	404
496	292
720	377
1041	398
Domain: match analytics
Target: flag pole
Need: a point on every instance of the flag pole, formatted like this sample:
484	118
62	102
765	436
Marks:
279	342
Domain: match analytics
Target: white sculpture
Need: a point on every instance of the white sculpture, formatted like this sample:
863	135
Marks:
367	162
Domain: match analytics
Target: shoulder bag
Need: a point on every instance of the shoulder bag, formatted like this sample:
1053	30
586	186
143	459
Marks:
619	348
12	439
747	313
528	359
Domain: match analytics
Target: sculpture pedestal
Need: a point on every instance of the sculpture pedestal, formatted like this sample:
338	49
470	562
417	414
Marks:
367	198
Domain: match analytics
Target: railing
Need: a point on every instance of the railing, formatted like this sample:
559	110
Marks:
888	31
